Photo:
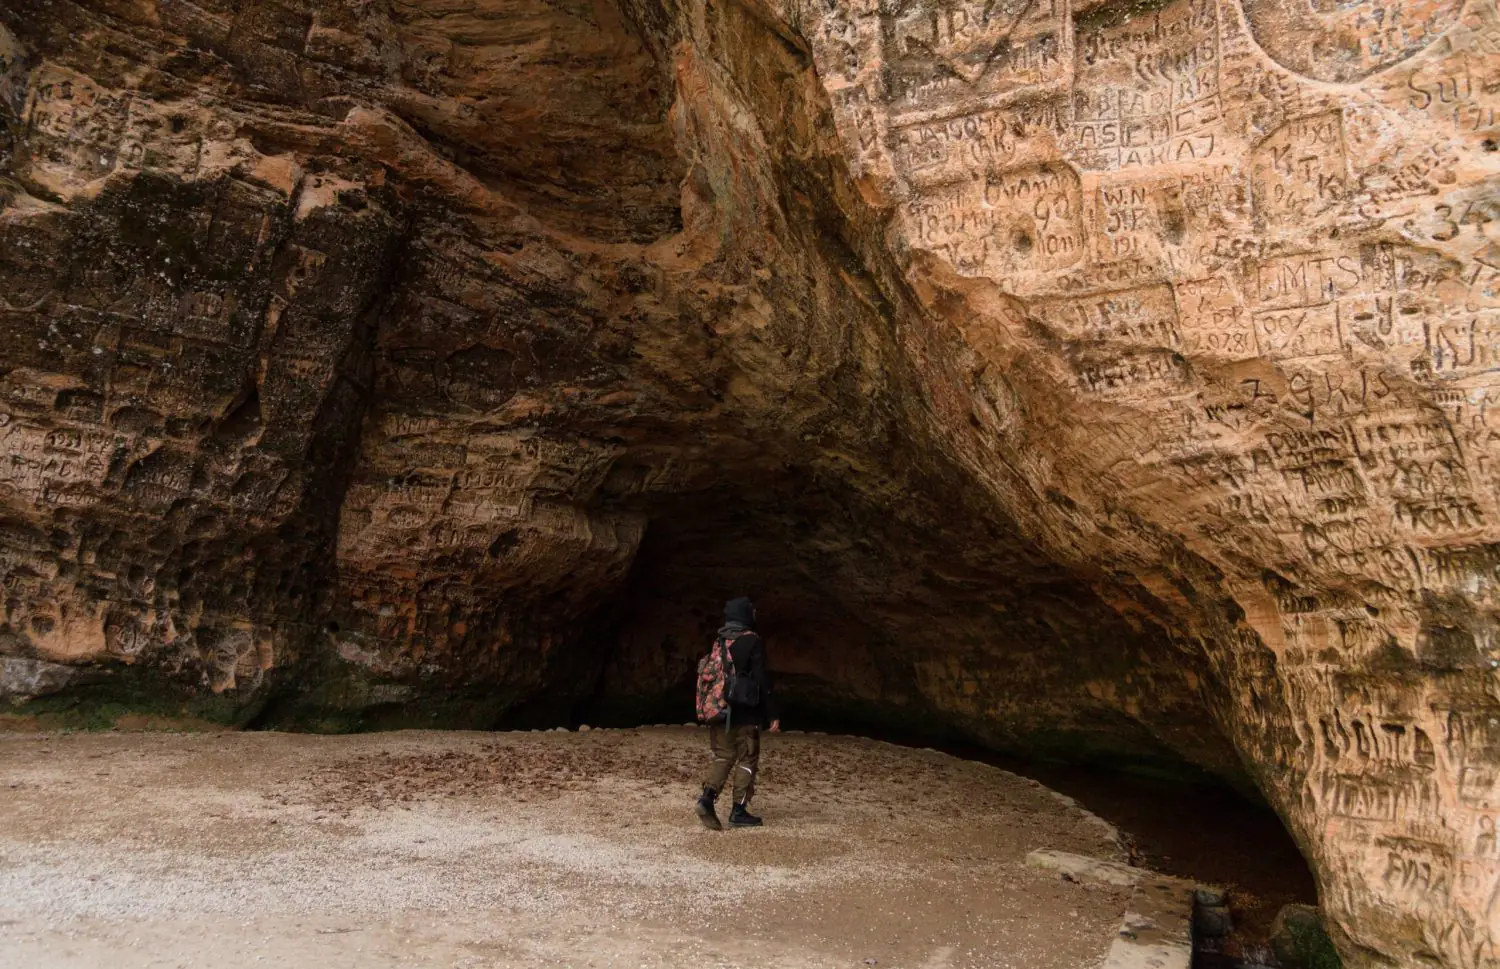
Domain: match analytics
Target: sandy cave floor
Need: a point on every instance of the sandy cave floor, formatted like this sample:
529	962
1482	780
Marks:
468	850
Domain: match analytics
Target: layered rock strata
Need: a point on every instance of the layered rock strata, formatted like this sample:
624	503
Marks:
1099	379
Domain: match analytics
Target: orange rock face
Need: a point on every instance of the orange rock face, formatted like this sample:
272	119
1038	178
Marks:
1100	379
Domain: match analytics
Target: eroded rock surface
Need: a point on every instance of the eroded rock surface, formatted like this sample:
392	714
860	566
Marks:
1095	378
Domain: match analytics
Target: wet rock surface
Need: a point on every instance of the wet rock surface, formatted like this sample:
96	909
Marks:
1104	380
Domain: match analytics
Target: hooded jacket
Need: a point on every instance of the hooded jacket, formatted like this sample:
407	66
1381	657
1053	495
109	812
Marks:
748	654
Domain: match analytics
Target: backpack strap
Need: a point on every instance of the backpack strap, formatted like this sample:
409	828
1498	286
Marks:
727	661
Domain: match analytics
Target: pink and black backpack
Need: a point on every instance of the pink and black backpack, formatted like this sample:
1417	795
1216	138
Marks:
715	671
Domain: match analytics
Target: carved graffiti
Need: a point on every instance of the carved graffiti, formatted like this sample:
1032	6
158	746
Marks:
1347	41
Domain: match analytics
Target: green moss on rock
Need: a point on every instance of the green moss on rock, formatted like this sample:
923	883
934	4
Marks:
1300	941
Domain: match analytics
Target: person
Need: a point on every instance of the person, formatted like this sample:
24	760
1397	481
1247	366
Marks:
736	743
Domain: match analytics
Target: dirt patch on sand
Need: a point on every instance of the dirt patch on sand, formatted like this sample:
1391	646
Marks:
528	849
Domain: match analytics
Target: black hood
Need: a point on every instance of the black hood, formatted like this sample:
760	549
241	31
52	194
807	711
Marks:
740	611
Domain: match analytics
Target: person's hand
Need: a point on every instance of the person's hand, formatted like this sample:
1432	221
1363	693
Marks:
776	726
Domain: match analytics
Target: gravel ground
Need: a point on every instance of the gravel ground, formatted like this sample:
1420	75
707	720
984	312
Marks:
462	850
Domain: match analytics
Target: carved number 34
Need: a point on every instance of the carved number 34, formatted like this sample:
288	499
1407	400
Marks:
1451	226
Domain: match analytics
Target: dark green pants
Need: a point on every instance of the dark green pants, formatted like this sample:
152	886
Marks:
738	751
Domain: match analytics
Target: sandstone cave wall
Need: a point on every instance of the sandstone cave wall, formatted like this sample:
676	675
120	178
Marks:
518	368
1109	379
1253	249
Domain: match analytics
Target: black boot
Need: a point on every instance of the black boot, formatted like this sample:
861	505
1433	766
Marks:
706	812
741	818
